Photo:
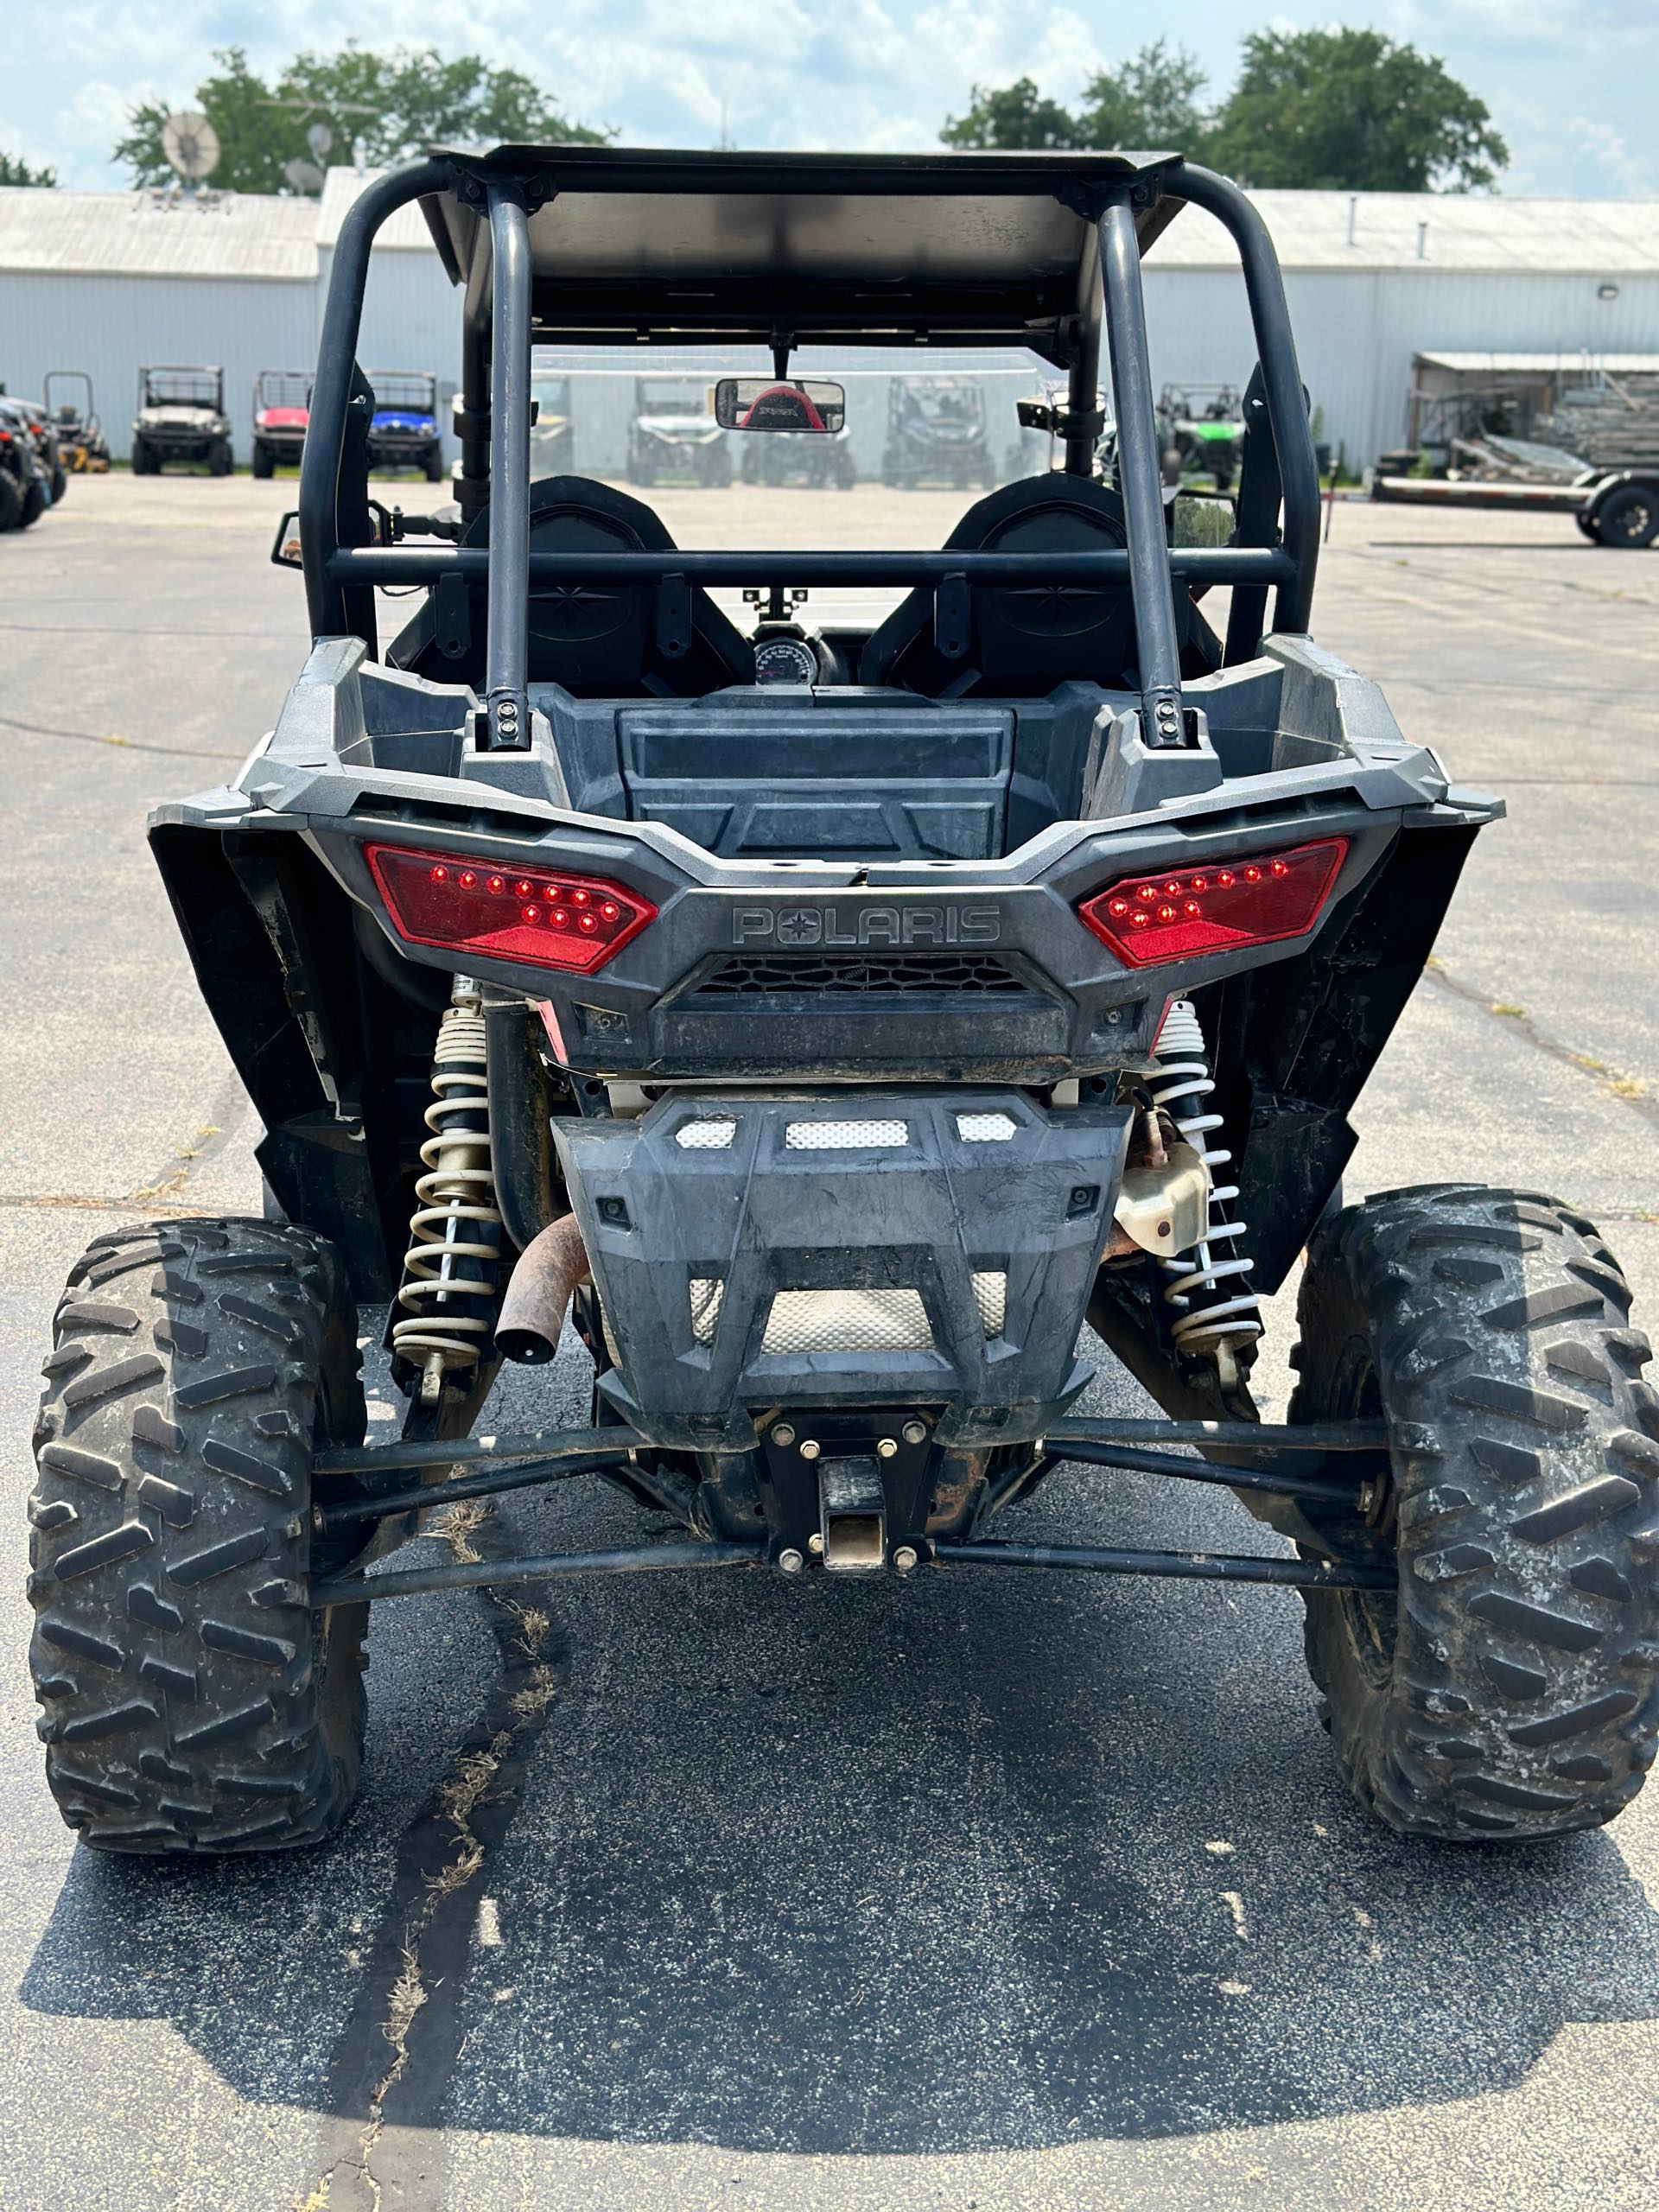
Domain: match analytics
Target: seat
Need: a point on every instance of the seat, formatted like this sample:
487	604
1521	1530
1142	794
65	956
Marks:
597	640
1025	639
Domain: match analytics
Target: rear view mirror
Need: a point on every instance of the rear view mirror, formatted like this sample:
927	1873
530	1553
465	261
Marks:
285	550
768	403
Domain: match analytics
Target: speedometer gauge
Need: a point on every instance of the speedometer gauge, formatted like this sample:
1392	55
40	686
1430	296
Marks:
785	660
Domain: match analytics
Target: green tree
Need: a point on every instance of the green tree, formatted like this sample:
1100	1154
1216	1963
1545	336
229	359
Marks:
1011	119
1151	102
1351	110
13	169
394	102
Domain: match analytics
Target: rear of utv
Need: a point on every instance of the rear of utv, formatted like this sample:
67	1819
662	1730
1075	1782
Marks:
832	1047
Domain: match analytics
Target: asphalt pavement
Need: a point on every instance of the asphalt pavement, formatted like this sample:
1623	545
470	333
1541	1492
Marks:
973	1892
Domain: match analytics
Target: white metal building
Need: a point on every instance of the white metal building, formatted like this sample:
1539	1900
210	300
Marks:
105	280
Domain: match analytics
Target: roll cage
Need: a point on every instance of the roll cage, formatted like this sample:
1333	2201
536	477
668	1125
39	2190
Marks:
590	246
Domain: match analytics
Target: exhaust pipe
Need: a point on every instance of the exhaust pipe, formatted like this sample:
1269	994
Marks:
532	1313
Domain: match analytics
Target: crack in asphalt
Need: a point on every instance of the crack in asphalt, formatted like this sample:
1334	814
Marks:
1629	1091
383	2138
118	744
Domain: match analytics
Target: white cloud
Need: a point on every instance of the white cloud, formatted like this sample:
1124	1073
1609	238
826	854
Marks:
1605	150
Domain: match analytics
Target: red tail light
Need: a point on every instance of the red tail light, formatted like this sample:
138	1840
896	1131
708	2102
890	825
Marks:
1184	912
530	917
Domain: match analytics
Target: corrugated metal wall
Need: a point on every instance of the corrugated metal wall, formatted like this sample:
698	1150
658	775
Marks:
109	325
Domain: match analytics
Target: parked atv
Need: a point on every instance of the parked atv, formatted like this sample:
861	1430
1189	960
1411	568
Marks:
552	434
404	431
281	408
938	434
80	436
673	438
180	418
1201	427
831	1048
25	485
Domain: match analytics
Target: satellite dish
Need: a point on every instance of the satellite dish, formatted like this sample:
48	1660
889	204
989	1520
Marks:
305	176
320	138
191	145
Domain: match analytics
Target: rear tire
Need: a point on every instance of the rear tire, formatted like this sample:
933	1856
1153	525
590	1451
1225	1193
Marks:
192	1702
59	484
1511	1688
34	507
11	501
1628	519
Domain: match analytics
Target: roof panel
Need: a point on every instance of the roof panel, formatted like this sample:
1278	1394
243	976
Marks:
137	234
1464	231
974	248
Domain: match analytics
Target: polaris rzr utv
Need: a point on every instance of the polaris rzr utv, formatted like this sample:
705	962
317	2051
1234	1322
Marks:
1201	426
938	434
837	1050
25	486
281	408
673	438
403	432
42	428
180	418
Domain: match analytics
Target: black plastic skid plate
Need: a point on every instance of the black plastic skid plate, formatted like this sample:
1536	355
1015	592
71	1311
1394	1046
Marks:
923	1212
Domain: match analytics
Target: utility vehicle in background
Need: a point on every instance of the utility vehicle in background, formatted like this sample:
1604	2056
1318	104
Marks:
1202	429
281	408
552	430
180	418
80	434
403	431
836	1025
25	487
938	434
673	437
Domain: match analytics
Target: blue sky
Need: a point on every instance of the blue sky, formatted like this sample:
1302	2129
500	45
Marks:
1571	87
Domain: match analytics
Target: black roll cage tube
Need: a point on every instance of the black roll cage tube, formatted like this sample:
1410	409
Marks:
343	563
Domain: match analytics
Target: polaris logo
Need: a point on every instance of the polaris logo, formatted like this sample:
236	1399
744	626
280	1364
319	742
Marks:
855	928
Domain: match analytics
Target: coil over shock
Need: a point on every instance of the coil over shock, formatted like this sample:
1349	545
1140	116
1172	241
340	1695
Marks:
1215	1309
449	1287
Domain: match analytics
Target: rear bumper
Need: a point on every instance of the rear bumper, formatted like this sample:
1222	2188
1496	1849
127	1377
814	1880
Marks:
929	1263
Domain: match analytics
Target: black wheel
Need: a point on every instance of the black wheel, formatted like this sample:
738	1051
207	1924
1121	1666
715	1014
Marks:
141	461
263	463
1509	1686
59	483
219	459
193	1703
433	465
11	501
1629	517
1586	524
35	504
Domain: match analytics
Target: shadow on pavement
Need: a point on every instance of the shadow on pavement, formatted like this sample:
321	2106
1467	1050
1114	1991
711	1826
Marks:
979	1864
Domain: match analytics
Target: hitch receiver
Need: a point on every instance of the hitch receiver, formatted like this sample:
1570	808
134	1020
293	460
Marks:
852	1515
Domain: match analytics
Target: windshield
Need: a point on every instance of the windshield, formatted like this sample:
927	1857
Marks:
398	390
653	397
180	388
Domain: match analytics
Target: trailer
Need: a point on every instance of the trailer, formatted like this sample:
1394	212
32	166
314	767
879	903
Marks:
1617	507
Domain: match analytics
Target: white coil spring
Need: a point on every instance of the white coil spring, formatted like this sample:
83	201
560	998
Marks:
1205	1320
456	1203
